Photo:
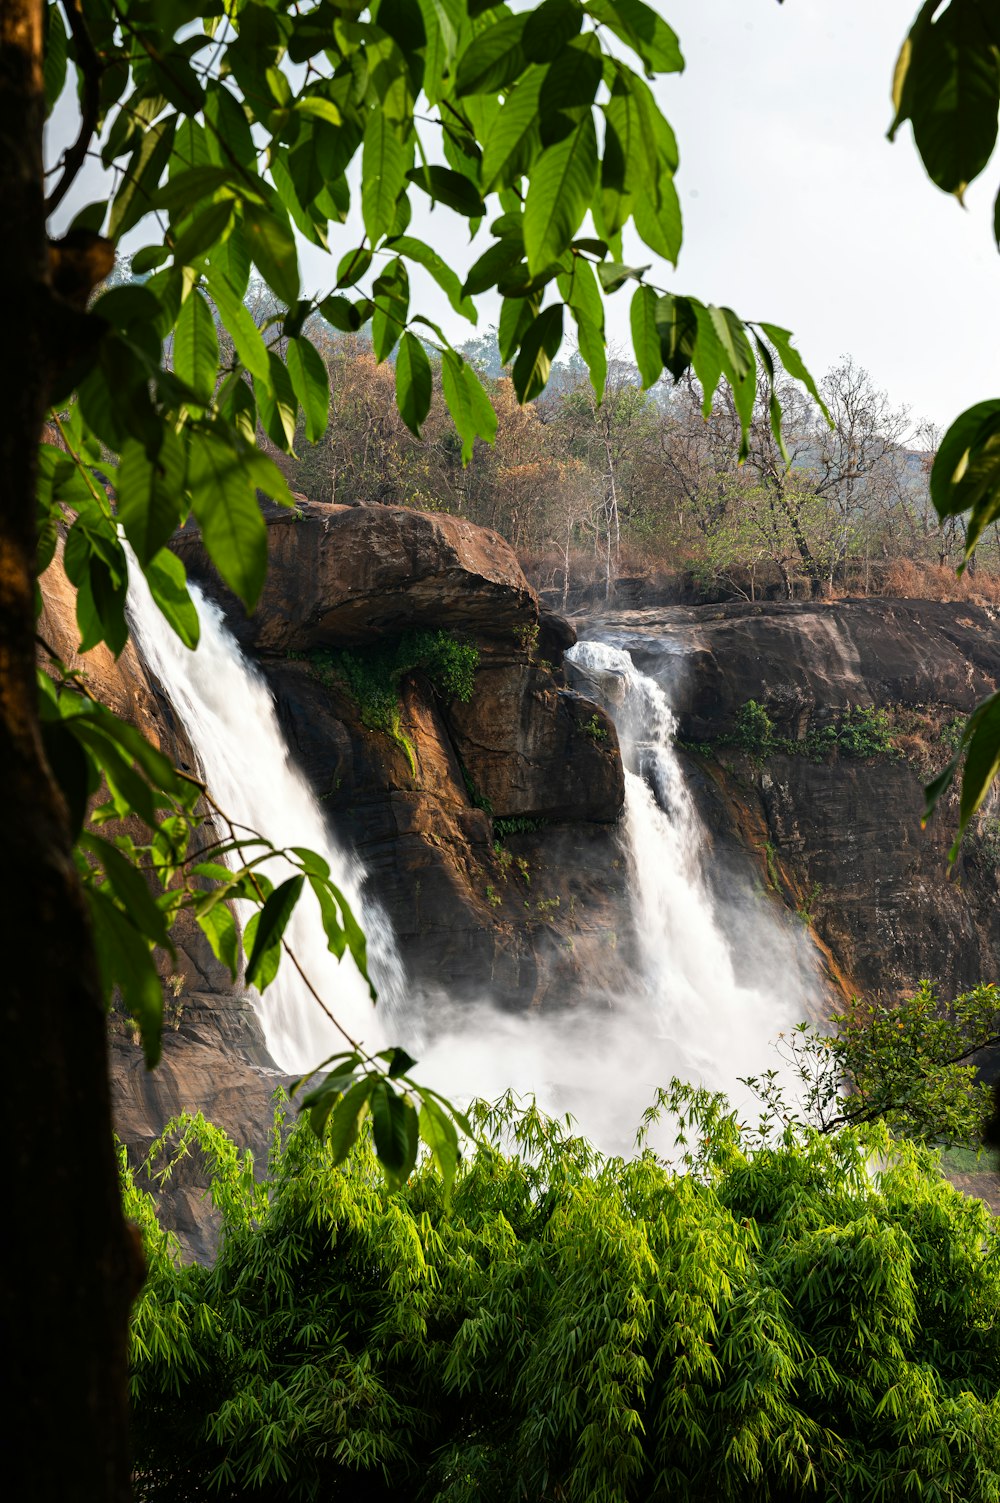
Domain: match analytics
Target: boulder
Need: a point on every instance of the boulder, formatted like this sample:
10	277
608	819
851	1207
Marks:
341	574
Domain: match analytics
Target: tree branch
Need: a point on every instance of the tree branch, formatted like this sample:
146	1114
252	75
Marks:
90	68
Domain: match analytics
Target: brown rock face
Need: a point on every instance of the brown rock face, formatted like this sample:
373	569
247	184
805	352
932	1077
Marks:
344	574
844	832
535	750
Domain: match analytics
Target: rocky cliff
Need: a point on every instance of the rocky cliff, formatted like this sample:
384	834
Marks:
835	817
489	826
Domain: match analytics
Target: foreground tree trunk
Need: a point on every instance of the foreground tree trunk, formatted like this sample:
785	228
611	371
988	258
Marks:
70	1266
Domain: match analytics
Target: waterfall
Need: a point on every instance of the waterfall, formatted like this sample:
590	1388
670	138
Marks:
720	979
715	981
228	713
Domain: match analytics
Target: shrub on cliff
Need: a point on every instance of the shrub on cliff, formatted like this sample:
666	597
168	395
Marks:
786	1320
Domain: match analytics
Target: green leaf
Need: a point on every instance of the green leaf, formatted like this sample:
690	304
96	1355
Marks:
311	384
247	339
967	464
55	55
383	176
948	84
151	501
129	887
471	409
539	348
124	960
226	509
348	1116
643	30
392	306
395	1130
271	924
204	231
982	758
447	280
272	249
493	59
167	580
559	195
453	189
219	928
515	138
793	363
135	197
550	28
646	335
438	1132
196	347
593	351
276	404
677	328
414	383
353	266
398	1062
341	314
613	274
657	218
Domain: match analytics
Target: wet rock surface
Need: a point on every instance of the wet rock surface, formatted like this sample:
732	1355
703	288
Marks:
842	834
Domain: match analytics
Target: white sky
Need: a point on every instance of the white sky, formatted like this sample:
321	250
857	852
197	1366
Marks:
797	210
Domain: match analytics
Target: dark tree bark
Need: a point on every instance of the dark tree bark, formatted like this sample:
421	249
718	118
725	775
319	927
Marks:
71	1266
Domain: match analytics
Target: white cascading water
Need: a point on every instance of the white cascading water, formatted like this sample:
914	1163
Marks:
228	713
721	984
693	1010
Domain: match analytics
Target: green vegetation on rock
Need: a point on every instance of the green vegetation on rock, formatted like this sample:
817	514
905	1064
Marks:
373	676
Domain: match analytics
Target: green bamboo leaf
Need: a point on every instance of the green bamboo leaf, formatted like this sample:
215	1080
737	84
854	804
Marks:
414	382
196	347
383	176
311	384
646	335
559	195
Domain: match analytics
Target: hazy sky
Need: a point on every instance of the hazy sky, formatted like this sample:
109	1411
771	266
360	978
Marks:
797	210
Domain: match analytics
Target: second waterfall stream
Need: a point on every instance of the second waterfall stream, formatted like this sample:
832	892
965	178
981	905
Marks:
696	1009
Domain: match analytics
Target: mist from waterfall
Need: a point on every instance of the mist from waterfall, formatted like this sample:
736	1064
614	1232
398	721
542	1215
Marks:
714	983
228	712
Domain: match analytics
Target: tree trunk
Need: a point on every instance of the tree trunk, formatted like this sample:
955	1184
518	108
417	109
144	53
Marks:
70	1263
